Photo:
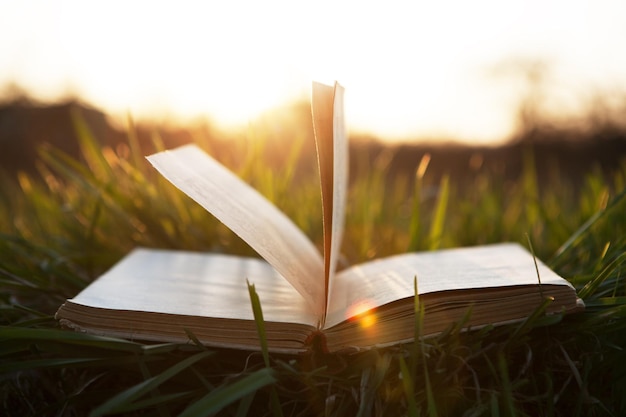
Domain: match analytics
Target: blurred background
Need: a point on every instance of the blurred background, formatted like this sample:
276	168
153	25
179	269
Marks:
470	83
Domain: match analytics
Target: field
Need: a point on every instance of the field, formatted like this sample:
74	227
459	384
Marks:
73	216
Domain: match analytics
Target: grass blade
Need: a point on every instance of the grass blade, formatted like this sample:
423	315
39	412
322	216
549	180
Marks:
27	336
415	225
575	237
127	397
507	390
409	390
260	322
436	227
91	149
591	286
221	397
260	325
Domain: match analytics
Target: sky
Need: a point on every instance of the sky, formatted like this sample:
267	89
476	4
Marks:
442	68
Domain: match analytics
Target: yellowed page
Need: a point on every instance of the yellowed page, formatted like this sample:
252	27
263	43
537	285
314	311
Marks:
250	215
340	181
196	284
322	103
332	151
379	282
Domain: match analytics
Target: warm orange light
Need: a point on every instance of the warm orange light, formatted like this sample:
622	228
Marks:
362	312
368	320
235	60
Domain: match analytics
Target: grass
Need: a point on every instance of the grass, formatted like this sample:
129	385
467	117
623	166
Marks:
61	230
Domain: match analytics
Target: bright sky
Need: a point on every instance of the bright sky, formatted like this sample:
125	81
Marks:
410	68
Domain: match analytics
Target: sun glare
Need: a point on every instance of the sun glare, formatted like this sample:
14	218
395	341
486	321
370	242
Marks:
410	69
362	312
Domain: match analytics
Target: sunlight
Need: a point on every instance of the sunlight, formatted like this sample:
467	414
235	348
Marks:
368	320
409	69
363	313
230	77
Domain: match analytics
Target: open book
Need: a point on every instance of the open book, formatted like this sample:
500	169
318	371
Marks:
163	295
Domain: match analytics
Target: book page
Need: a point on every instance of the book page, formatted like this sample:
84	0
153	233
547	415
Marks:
379	282
196	284
332	151
250	215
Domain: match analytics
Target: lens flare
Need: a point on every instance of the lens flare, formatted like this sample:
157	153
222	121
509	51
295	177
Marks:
368	320
363	313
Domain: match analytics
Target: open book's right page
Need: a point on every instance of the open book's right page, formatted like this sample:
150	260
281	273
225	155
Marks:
390	279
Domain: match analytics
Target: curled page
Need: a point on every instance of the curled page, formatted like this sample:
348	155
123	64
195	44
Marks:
250	215
332	154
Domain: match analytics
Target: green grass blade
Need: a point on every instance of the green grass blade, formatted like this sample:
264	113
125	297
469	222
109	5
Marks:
418	311
91	149
157	401
430	397
409	390
437	225
584	228
530	188
416	219
128	396
508	403
67	363
260	322
27	336
244	405
592	285
222	397
133	143
528	323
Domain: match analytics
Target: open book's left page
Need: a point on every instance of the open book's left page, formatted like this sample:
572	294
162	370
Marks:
195	284
251	216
